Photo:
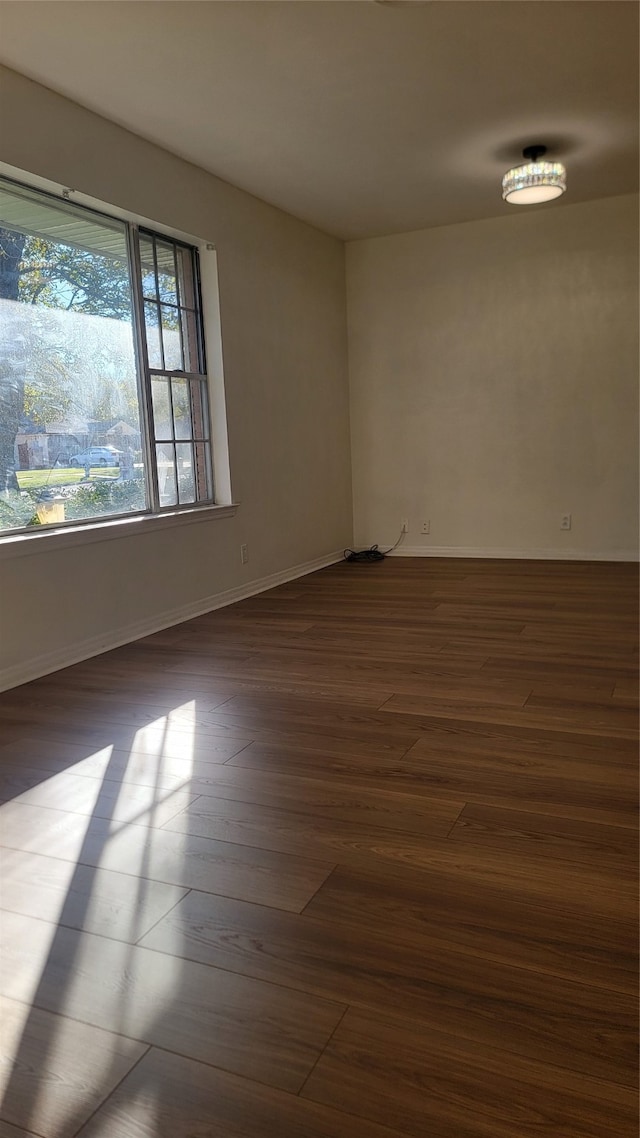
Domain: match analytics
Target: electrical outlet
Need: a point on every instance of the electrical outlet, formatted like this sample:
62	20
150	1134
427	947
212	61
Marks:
244	554
425	527
565	521
405	525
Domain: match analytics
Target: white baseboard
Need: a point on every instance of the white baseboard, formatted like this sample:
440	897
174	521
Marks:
82	650
516	554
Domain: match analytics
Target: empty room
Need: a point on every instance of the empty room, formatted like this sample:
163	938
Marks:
318	568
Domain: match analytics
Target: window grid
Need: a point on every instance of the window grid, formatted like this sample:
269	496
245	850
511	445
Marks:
160	276
176	481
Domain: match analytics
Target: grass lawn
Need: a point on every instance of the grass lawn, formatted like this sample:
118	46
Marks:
61	476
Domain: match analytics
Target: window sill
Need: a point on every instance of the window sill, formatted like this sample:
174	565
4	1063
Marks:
19	545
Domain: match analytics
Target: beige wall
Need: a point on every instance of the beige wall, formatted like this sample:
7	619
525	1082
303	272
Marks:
493	388
284	342
494	379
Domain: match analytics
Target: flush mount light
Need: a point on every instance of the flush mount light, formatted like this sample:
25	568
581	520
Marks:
537	181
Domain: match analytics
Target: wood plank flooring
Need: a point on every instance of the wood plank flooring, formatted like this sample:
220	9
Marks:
354	858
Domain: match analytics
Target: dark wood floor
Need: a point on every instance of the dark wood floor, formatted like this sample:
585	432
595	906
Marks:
352	859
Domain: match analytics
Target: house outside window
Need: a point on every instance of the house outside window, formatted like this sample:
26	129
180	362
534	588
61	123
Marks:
104	400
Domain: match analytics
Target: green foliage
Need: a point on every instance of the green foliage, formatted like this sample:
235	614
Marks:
57	368
106	497
128	495
64	276
47	402
116	399
88	500
17	510
57	276
52	368
59	476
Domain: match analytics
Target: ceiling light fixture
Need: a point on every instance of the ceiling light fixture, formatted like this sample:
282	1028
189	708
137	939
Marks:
537	181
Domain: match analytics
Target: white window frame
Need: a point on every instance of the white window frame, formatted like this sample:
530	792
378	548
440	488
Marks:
221	504
147	373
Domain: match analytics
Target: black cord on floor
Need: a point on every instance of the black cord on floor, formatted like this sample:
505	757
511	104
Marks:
371	554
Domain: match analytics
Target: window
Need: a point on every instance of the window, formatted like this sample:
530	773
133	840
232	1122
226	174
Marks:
104	406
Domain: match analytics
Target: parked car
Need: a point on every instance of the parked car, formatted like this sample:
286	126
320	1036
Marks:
96	456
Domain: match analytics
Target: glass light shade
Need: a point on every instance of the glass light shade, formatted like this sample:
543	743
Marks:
534	182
